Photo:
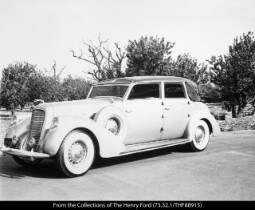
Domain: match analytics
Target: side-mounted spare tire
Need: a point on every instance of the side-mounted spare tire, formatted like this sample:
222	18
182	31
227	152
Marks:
113	119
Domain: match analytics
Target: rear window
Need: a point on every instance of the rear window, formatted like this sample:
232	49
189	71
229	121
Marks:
174	91
192	92
144	91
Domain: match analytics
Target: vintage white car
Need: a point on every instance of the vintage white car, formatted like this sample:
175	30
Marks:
118	117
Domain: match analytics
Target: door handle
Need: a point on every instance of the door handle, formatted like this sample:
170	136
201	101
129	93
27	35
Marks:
167	108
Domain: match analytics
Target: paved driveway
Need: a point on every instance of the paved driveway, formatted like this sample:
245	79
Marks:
224	171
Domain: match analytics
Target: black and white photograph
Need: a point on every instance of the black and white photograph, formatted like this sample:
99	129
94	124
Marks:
127	103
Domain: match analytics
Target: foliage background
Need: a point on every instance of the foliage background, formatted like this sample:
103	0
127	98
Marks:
228	78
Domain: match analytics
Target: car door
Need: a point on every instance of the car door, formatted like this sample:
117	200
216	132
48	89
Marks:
176	110
144	112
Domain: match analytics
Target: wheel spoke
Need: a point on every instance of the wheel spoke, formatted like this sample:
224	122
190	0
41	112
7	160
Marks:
77	153
199	135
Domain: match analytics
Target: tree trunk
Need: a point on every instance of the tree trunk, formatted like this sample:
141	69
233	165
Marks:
234	114
13	112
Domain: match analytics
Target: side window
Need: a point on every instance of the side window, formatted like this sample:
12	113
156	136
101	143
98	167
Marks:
144	91
192	92
174	90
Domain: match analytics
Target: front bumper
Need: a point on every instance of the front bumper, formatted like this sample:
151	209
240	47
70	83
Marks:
23	153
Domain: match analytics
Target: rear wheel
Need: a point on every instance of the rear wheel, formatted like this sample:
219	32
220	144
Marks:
201	136
76	154
26	162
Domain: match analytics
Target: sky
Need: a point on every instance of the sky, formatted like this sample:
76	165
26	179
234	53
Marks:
41	31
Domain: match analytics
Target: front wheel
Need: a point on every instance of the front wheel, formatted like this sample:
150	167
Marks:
76	154
201	136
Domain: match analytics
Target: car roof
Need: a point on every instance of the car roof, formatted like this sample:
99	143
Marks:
136	79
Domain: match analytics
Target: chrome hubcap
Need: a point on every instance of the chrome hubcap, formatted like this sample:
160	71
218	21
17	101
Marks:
77	152
112	126
199	134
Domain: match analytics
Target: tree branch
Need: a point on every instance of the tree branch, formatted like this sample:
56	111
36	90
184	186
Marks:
81	58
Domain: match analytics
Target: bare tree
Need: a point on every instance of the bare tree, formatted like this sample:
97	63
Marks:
106	66
54	69
115	63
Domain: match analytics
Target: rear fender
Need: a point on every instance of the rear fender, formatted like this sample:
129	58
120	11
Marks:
109	144
201	115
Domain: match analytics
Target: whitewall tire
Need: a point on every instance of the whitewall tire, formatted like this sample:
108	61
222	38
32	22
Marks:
76	154
201	136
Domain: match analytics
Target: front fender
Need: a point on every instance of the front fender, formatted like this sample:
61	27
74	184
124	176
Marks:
201	115
109	144
20	130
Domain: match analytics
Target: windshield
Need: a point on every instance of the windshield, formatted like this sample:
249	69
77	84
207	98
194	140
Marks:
108	91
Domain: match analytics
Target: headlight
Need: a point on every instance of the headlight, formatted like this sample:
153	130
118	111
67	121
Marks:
30	143
15	139
15	120
113	126
54	123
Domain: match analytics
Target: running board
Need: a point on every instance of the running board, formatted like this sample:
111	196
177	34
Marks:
133	148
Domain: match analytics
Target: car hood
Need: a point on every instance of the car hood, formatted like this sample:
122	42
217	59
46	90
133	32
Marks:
79	107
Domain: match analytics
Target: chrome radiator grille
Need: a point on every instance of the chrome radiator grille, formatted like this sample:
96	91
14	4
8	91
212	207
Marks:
36	125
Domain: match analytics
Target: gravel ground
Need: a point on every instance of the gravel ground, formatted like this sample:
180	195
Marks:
232	124
236	124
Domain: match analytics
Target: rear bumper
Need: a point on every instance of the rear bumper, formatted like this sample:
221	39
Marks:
23	153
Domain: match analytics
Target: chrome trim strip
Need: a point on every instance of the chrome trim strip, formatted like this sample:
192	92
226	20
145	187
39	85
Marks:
36	125
134	148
